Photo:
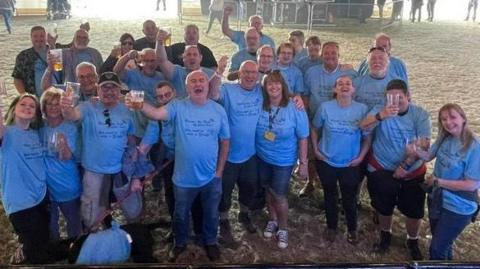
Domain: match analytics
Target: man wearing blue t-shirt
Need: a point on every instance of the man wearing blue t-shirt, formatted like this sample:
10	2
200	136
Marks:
396	67
314	56
297	38
254	21
242	102
143	79
252	40
192	58
201	147
370	88
290	72
107	129
395	178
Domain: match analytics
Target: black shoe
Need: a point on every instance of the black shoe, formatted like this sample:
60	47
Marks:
169	237
352	237
384	245
413	249
245	220
175	252
330	235
213	252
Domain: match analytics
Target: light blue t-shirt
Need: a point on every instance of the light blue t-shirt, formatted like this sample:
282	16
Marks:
23	178
198	131
289	125
319	84
243	108
136	80
371	91
63	178
392	135
239	57
238	38
306	62
341	137
103	145
303	53
111	246
40	66
396	68
454	164
179	76
293	77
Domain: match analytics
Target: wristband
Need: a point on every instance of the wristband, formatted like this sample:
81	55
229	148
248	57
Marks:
378	117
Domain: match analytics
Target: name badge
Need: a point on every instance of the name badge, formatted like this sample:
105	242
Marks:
270	136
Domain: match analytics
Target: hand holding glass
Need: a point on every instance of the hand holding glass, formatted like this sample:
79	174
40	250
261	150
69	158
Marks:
58	61
136	99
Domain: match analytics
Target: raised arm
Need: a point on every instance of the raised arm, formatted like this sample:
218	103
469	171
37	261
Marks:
119	67
47	75
68	111
225	25
371	120
153	113
216	80
167	67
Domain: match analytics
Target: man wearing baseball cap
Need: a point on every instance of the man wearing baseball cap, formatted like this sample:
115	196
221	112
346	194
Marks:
107	129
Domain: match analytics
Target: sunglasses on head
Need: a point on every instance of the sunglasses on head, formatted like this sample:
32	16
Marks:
106	114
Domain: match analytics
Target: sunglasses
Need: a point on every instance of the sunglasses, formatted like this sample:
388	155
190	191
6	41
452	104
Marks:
166	95
106	114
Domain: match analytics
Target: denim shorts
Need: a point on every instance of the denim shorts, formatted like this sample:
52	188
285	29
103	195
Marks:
274	178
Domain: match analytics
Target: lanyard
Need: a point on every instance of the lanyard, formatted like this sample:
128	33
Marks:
271	117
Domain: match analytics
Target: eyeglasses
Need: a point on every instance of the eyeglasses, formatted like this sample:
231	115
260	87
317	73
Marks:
127	43
106	114
166	95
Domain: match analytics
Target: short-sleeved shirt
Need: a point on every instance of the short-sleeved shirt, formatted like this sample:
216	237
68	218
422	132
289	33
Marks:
23	177
371	91
103	145
288	126
180	75
303	53
238	38
26	70
243	108
293	77
453	163
306	62
396	68
136	80
241	56
340	139
63	178
319	84
392	135
198	131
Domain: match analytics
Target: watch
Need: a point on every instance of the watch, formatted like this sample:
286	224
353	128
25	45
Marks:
378	117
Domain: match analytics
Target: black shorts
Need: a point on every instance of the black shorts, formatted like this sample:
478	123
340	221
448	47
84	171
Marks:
386	192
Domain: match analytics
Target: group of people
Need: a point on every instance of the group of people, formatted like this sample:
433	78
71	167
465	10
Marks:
286	106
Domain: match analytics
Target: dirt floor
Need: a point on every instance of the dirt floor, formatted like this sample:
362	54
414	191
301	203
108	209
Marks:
442	60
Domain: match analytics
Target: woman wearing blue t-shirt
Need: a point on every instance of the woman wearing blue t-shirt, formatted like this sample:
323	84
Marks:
23	178
339	152
63	179
457	175
281	138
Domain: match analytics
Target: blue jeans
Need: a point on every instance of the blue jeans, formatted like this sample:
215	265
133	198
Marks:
210	196
274	178
7	17
71	212
444	231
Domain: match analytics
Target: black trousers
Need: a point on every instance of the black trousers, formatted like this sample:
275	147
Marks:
31	226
